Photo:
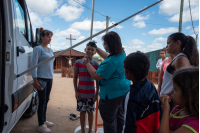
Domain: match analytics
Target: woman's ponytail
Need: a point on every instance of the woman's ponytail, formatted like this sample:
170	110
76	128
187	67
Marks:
191	51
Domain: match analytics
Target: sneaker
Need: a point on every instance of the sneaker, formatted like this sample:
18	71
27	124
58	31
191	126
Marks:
43	129
49	124
74	117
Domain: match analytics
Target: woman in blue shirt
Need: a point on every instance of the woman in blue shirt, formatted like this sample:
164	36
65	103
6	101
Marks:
43	73
112	81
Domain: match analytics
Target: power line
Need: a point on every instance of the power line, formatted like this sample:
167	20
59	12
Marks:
112	17
191	17
88	7
147	23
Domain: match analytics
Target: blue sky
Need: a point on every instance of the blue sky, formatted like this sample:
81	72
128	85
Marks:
145	32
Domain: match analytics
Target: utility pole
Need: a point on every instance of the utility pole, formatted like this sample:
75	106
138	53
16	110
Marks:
92	18
107	22
181	16
196	38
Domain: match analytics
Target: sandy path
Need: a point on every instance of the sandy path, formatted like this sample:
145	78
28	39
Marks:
62	103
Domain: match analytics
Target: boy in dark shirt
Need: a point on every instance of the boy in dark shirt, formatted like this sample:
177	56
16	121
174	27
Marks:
142	107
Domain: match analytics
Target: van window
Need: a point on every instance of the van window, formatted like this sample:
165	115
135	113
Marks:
20	18
29	30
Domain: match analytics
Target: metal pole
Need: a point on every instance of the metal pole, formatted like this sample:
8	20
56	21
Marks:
86	39
107	22
196	38
92	18
181	16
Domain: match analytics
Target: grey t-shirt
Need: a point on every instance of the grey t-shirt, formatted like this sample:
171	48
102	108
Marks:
46	70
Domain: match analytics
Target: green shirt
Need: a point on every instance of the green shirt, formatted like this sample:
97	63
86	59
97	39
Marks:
114	83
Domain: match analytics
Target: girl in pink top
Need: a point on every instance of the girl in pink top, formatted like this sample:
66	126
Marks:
165	63
184	118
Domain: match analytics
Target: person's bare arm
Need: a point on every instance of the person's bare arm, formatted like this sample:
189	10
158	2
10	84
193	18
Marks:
181	62
92	72
102	53
75	79
160	79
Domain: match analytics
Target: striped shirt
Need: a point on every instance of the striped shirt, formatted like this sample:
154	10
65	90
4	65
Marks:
86	86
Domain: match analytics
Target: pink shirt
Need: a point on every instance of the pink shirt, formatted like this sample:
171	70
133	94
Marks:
187	121
165	63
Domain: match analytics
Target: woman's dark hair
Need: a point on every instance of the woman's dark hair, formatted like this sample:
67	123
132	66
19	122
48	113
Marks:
44	33
92	44
113	41
138	64
188	81
188	47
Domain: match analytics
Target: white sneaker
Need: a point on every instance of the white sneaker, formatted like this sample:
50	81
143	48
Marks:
43	129
49	124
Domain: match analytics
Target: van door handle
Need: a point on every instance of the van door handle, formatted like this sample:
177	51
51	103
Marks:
20	49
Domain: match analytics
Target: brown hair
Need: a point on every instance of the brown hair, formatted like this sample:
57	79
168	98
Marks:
113	41
44	33
188	81
188	47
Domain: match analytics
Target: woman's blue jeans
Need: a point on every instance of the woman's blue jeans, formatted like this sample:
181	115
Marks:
43	100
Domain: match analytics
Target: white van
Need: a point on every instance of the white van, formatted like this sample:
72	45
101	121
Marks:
17	94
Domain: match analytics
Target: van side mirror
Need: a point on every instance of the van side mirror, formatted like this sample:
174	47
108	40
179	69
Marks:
37	36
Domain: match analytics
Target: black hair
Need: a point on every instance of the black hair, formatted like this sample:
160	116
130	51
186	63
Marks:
188	47
113	41
164	50
187	80
92	44
138	64
44	33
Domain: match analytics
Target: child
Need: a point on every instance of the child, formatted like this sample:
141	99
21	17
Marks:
85	91
184	118
142	107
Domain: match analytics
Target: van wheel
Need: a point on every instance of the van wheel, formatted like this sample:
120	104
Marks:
33	106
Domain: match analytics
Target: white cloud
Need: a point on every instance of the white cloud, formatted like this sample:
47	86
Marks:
188	27
47	19
97	25
194	36
196	29
43	7
69	13
172	8
67	32
35	19
73	3
163	31
139	17
156	44
137	42
144	34
160	39
186	15
153	12
131	49
140	24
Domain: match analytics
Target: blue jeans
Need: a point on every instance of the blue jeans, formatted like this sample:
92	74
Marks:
43	100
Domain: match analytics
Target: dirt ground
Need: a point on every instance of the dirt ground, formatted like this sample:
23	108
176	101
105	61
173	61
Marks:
62	102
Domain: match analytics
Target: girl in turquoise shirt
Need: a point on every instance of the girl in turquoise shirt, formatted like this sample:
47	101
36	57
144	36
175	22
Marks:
112	81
